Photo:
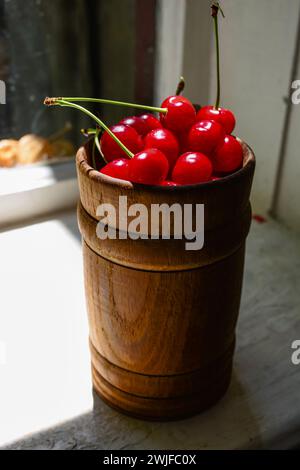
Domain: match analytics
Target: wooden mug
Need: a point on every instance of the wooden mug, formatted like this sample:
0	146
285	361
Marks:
162	319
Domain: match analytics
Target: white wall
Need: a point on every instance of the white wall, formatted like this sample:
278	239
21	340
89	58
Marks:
196	64
258	41
170	39
257	46
289	196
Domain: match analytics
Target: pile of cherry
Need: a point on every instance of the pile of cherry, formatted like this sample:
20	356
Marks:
182	147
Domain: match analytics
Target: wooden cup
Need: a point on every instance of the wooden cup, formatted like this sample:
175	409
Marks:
162	319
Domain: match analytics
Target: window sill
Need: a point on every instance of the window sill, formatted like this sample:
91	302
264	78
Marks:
36	190
45	372
44	365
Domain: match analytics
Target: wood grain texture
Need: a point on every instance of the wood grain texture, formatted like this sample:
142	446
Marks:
162	320
159	409
162	323
162	386
169	255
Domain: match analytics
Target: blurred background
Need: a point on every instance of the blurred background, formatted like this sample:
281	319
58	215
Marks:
136	50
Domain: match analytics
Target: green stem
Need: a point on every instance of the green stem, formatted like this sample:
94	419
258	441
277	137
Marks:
93	154
97	142
218	61
89	131
117	103
215	7
67	104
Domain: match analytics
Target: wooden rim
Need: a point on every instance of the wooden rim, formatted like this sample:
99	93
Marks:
86	169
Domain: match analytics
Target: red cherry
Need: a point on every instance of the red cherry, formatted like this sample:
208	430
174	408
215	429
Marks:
150	122
117	169
221	115
215	178
192	168
166	142
204	136
228	156
137	123
127	135
181	113
169	183
148	167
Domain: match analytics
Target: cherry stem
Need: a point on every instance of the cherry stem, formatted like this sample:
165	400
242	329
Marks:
68	104
50	101
93	154
215	7
180	86
89	131
97	142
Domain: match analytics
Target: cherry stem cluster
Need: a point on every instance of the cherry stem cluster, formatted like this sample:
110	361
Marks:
68	104
112	102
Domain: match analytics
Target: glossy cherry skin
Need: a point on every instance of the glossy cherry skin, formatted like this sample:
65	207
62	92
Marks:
181	113
221	115
228	156
148	167
150	123
117	169
169	183
192	168
137	123
127	135
205	136
165	141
